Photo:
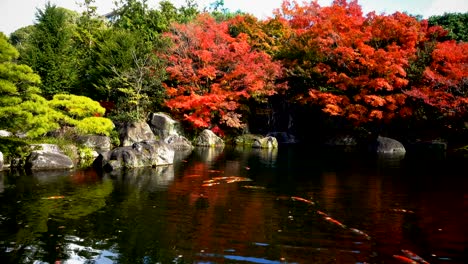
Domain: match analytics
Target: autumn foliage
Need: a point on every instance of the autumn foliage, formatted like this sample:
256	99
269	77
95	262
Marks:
367	68
212	74
357	66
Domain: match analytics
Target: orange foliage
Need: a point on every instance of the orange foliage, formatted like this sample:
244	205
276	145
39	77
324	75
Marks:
356	65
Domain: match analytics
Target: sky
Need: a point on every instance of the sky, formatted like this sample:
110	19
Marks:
15	14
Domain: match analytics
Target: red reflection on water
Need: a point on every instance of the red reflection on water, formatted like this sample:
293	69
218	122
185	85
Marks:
83	177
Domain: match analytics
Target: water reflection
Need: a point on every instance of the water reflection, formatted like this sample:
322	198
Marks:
296	208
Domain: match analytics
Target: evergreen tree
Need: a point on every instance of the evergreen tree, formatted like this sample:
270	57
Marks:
22	109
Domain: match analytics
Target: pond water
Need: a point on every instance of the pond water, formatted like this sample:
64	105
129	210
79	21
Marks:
293	205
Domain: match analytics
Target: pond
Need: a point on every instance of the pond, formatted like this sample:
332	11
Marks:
293	205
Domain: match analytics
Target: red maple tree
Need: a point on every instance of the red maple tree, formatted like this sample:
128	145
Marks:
212	74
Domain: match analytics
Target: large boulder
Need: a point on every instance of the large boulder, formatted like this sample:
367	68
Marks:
141	154
134	132
283	137
4	133
95	142
256	141
385	145
208	139
48	157
163	125
178	142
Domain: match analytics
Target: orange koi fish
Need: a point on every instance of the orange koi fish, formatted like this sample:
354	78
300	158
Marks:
334	221
404	259
54	197
237	179
215	171
322	213
357	231
254	187
299	199
413	256
210	184
398	210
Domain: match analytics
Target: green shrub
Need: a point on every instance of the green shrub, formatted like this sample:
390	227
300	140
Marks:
95	125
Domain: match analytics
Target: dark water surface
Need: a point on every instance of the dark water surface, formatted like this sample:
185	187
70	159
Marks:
232	206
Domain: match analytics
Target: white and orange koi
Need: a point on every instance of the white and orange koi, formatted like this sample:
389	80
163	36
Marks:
54	197
399	210
210	184
357	231
237	179
413	256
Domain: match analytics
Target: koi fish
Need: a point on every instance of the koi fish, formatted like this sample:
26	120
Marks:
247	168
404	259
413	256
398	210
219	178
237	179
54	197
193	175
299	199
322	213
254	187
357	231
334	221
210	184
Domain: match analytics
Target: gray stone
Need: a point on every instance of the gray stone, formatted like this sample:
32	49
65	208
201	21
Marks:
283	137
163	125
48	161
141	154
265	143
387	145
1	161
4	133
48	157
134	132
178	142
208	139
95	142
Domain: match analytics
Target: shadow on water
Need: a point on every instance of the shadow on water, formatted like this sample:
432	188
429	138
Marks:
295	204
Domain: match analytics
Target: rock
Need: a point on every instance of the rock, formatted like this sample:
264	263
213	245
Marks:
48	157
141	154
208	139
178	142
266	143
1	161
95	142
387	146
256	141
283	137
4	133
134	132
163	125
342	140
